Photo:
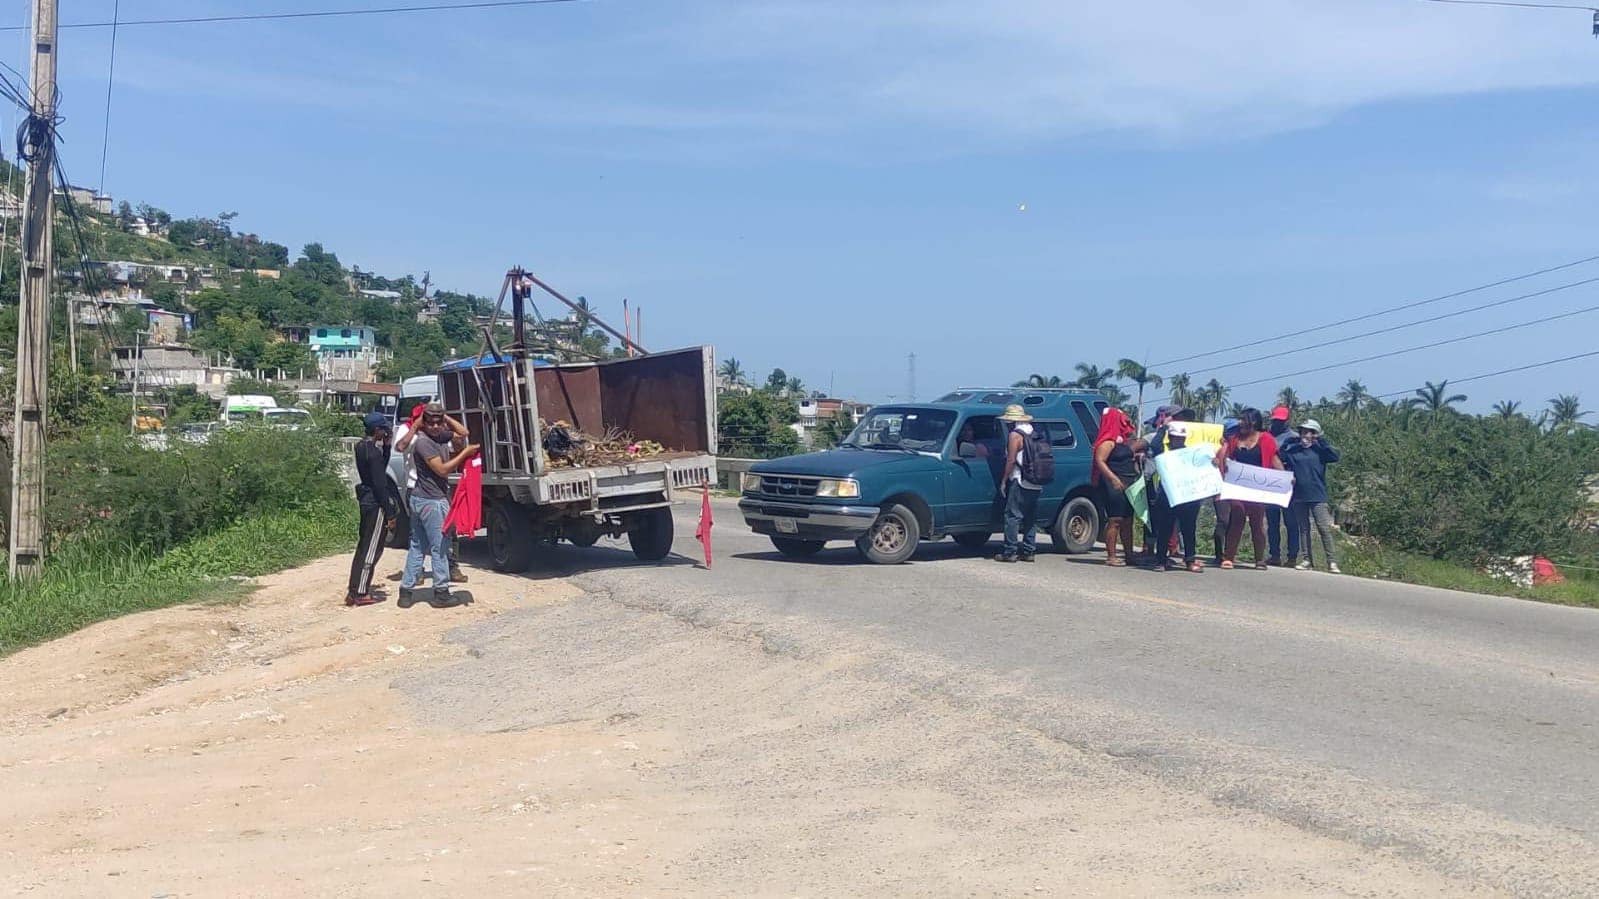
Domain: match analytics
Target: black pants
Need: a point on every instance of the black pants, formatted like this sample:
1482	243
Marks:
368	548
1183	519
1158	513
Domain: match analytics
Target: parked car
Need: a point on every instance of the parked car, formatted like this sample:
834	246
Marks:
913	472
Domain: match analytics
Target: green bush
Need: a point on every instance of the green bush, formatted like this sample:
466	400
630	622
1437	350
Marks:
110	487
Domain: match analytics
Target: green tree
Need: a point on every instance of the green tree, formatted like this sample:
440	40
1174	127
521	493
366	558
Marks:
1435	398
777	381
733	372
1092	377
1037	380
1565	412
292	359
794	388
1138	373
831	431
756	425
1182	390
1353	397
1508	410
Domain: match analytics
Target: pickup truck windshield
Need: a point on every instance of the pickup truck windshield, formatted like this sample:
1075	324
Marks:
914	430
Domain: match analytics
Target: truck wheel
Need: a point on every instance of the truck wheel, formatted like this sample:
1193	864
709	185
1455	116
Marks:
893	536
651	534
1077	527
797	549
510	538
973	540
400	537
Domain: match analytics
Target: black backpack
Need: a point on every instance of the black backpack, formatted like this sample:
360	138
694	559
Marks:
1038	460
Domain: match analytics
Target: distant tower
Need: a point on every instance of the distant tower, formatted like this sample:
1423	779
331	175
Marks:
910	378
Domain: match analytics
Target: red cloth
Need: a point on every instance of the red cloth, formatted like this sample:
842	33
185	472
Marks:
1114	426
1267	446
466	505
703	532
1545	572
416	413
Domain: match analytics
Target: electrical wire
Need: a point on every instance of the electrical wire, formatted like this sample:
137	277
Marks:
110	79
1515	4
1414	349
1389	330
1495	374
312	14
1371	315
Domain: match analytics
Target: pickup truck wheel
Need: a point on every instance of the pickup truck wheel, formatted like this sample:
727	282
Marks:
400	537
651	534
511	542
893	536
797	549
973	540
1077	527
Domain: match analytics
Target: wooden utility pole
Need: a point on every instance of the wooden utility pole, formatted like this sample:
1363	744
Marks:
33	314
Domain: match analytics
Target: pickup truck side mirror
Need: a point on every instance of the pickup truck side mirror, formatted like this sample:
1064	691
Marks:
966	450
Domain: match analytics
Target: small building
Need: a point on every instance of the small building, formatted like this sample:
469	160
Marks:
343	352
160	365
393	296
169	327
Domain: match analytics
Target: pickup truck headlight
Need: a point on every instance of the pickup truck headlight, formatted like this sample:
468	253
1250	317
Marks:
838	488
750	482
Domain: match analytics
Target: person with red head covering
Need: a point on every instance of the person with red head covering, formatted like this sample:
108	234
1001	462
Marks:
1114	470
1276	518
1251	445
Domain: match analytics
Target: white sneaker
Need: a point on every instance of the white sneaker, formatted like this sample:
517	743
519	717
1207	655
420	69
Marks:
1333	567
1302	565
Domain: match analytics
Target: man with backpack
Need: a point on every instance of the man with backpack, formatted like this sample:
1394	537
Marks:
1029	467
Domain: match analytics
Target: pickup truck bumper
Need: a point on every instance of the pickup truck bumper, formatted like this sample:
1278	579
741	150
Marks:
806	521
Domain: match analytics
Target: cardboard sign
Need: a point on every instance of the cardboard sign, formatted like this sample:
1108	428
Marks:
1253	484
1188	474
1138	497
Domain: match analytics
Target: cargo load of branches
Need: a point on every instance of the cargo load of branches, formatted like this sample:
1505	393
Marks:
565	446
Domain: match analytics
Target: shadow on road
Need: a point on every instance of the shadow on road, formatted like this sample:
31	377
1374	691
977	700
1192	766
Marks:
565	560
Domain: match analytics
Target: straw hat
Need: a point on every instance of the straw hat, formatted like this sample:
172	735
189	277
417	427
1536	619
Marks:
1014	412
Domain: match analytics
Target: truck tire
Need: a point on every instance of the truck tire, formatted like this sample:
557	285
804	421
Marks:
1077	527
511	541
893	536
973	540
795	548
400	537
651	534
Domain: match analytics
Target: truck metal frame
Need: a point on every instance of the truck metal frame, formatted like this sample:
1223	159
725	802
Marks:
666	397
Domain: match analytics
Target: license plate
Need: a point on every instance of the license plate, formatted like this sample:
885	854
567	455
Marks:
786	525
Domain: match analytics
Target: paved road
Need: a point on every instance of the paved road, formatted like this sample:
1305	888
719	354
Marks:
1458	730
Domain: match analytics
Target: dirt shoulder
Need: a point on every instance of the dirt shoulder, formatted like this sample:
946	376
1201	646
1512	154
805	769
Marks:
290	746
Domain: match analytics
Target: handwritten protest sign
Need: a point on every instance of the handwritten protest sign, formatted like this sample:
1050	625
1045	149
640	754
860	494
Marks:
1138	498
1253	484
1187	474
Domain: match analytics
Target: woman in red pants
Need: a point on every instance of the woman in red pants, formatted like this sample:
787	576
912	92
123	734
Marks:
1251	446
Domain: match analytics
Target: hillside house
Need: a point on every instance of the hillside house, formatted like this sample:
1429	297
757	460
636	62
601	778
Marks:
170	365
343	352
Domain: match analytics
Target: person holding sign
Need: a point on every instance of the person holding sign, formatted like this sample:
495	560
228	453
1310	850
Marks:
1251	446
1182	517
1308	457
1115	469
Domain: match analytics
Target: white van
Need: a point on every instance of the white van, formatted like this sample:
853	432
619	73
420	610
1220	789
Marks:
245	408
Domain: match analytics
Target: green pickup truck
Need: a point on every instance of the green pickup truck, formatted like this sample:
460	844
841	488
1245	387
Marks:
924	471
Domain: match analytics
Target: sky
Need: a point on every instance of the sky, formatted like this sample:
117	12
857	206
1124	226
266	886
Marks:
1000	188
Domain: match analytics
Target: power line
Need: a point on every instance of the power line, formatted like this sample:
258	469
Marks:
1371	315
1515	4
312	14
1425	346
1388	330
110	76
1502	371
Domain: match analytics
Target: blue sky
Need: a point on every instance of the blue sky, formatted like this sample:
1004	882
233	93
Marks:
829	186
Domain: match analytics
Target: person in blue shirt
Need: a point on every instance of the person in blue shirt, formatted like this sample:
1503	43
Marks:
1308	457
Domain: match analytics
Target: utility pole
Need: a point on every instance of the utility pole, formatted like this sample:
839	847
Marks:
910	378
33	314
138	353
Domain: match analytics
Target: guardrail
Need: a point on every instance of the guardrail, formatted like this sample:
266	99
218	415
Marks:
729	469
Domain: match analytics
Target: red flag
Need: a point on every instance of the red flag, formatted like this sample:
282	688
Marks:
466	504
703	532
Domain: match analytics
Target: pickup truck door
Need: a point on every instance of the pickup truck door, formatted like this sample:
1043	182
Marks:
1063	439
971	475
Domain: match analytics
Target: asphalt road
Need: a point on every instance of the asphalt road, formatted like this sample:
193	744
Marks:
1457	730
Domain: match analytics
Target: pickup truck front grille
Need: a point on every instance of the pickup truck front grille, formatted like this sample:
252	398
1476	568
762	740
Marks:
785	485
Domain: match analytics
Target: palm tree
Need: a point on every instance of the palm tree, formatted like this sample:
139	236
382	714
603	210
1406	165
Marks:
1354	396
796	387
1288	397
1507	410
1565	411
1116	396
1036	380
1434	398
732	372
1139	374
1215	396
1182	392
1092	377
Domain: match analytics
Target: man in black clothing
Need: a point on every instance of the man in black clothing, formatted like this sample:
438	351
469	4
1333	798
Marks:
379	508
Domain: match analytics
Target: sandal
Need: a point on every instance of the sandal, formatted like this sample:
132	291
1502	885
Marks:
1227	564
1196	566
1260	566
1115	563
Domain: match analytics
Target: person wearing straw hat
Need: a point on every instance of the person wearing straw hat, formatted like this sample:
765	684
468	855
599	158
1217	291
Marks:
1023	456
1308	457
